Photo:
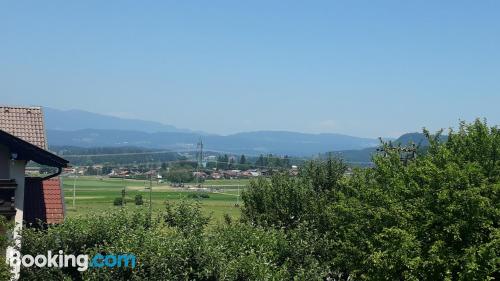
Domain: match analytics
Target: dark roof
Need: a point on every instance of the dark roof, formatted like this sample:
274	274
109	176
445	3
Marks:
25	123
43	201
28	151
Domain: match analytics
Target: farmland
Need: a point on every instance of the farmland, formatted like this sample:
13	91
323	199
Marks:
96	194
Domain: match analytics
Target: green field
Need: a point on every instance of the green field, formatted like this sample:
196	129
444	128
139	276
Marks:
94	194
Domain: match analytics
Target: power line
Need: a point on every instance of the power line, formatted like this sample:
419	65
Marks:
268	156
117	154
199	155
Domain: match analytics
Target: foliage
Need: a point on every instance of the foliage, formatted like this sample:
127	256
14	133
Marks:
281	202
5	228
185	216
434	218
180	175
198	196
243	159
286	201
272	161
118	201
138	200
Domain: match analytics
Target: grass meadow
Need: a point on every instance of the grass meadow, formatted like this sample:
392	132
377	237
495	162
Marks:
96	194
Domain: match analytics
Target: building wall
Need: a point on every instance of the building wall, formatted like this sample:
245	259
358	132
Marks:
4	162
17	172
17	168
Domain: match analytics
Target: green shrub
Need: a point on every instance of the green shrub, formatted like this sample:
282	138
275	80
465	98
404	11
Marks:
185	216
198	196
118	201
5	230
138	199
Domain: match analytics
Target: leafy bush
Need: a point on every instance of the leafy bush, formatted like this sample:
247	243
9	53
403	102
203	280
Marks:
5	229
198	195
185	216
118	201
138	200
181	249
180	175
118	231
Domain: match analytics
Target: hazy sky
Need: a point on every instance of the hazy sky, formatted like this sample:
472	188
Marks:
365	68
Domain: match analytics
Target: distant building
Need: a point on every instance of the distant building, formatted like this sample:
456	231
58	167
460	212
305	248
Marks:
211	158
215	175
200	175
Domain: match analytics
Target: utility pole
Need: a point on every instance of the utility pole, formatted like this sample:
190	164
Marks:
199	157
150	196
123	192
74	190
238	198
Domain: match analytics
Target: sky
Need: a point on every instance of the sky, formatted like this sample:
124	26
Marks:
363	68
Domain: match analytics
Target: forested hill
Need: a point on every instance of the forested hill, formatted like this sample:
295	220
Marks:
251	143
363	156
116	155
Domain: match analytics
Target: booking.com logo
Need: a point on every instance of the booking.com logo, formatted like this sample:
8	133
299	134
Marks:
81	262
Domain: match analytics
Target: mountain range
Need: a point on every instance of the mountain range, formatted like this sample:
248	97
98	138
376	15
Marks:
71	120
86	129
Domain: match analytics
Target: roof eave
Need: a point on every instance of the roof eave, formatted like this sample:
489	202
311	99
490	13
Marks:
27	151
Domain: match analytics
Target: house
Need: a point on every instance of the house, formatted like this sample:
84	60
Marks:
215	175
231	174
28	200
200	175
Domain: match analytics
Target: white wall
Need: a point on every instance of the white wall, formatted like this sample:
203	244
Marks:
17	168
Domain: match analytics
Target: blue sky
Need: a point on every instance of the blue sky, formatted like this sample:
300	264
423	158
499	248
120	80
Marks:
364	68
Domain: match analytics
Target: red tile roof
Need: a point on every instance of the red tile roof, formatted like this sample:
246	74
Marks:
43	201
25	123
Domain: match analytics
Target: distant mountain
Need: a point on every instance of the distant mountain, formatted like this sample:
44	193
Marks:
87	129
416	138
252	143
118	155
70	120
362	156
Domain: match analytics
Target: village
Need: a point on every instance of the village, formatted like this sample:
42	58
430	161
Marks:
162	175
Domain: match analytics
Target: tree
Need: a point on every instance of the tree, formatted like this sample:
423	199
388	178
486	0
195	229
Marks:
286	162
260	161
434	217
180	175
138	200
118	201
231	163
47	170
223	161
91	171
106	170
243	159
